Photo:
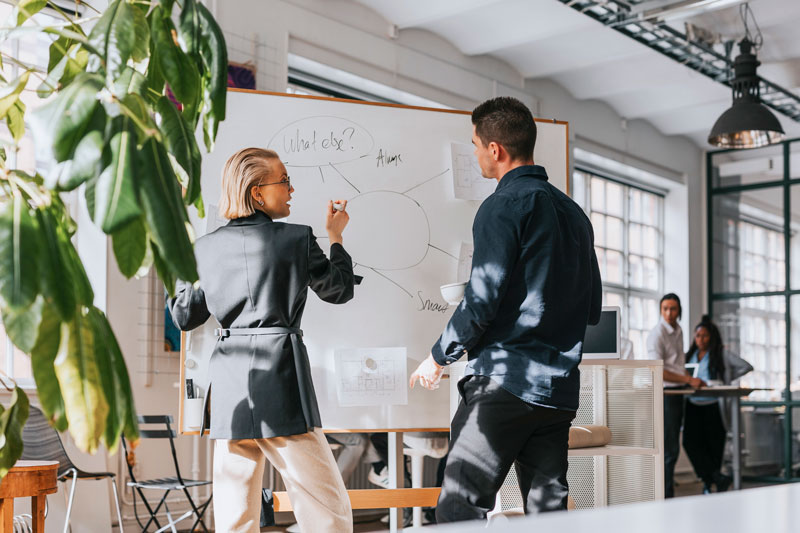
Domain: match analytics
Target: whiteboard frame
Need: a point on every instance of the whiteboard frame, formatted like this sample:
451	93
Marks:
182	387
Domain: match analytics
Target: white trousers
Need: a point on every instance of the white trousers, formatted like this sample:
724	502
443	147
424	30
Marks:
305	463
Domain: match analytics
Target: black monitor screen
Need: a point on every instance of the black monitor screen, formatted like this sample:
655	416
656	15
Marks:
602	338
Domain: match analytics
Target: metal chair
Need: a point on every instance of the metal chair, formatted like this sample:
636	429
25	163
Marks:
42	442
166	484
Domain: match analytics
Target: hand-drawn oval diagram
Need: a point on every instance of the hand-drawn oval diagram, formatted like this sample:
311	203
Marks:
323	140
388	230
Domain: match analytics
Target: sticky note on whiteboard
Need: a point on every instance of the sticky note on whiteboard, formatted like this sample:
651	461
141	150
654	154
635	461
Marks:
371	376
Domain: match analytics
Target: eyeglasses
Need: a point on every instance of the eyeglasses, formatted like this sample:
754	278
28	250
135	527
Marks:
286	181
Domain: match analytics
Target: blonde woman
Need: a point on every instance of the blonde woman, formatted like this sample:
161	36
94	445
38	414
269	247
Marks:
254	279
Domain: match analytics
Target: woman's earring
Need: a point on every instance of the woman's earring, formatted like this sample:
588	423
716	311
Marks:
260	202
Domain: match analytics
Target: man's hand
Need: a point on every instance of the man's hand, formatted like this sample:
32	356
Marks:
429	374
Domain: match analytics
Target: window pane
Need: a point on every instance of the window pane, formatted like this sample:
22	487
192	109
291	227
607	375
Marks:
635	205
614	233
651	209
579	190
755	329
741	167
748	241
651	242
635	239
599	226
650	274
615	195
22	365
598	195
613	266
635	272
612	298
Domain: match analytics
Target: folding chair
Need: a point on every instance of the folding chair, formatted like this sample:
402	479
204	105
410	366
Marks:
166	484
41	442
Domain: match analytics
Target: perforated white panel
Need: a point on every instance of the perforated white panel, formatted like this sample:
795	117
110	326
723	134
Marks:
630	406
510	495
581	478
631	479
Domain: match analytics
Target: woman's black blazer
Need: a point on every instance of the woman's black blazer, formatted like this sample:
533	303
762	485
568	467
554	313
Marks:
255	273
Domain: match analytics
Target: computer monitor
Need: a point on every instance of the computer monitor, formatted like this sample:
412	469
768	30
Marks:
603	339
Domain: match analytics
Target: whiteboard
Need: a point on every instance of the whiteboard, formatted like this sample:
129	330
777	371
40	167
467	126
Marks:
393	165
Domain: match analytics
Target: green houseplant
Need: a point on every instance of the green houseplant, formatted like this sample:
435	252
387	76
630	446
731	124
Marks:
127	88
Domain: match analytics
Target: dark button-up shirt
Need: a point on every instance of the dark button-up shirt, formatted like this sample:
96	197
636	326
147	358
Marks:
534	286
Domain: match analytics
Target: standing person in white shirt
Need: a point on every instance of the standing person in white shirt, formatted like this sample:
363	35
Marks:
665	342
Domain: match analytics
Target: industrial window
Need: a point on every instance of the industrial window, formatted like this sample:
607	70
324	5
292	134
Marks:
628	224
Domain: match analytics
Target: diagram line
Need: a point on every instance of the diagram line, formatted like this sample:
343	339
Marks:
345	179
446	253
321	175
392	281
427	180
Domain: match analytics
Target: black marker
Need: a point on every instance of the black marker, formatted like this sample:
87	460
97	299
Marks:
189	388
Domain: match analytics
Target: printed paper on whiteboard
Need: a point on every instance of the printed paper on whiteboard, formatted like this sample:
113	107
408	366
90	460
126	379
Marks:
464	262
468	183
371	376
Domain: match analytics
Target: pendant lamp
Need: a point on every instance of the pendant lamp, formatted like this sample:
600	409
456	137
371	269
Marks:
747	123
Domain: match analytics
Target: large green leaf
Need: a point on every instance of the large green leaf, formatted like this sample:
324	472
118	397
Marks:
164	211
61	124
22	326
130	246
116	384
25	9
102	338
43	356
86	161
62	73
61	46
15	120
12	420
84	295
130	81
163	271
177	68
19	247
114	192
56	284
78	376
141	47
181	143
9	92
215	57
189	31
114	36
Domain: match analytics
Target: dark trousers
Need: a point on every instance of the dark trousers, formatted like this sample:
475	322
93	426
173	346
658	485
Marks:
491	430
704	440
673	417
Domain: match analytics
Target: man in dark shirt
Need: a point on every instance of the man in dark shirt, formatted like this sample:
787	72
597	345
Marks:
534	286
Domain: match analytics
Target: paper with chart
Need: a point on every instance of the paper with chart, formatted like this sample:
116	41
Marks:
468	182
371	376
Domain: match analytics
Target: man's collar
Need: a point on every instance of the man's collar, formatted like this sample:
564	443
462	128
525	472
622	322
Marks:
534	171
670	329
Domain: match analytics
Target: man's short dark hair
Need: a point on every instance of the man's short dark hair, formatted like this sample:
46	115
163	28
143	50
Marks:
509	123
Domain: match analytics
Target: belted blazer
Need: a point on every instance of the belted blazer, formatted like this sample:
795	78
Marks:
254	279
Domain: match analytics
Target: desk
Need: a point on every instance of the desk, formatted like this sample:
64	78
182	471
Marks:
768	509
36	479
724	391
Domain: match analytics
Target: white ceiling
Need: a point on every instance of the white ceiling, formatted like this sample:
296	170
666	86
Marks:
546	39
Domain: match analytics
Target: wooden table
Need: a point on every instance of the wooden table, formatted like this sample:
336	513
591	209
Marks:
36	479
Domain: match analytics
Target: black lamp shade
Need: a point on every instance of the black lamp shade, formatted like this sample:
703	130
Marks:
746	125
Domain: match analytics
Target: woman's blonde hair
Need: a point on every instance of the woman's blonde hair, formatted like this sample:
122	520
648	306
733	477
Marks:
244	170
